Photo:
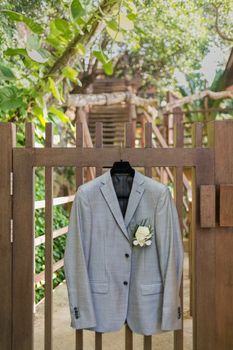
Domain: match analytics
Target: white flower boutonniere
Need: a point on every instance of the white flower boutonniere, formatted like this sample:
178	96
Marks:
142	234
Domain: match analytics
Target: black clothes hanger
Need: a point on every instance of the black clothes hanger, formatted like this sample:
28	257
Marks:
122	167
122	184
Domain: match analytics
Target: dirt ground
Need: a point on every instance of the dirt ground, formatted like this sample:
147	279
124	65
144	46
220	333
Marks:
64	335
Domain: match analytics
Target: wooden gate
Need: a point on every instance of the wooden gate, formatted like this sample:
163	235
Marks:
212	226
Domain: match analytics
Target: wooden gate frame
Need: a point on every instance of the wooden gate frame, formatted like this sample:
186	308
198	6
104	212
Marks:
212	231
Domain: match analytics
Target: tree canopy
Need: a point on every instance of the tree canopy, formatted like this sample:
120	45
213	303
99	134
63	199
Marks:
50	48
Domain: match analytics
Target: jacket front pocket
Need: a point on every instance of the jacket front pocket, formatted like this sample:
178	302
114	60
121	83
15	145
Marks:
154	288
99	287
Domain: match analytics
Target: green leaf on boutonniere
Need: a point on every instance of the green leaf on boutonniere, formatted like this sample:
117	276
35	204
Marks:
142	234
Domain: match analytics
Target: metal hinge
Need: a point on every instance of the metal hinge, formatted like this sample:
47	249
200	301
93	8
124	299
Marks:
11	183
11	229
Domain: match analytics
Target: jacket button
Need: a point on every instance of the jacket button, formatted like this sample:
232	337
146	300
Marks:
125	283
126	255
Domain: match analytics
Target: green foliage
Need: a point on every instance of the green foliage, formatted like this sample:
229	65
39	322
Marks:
168	36
47	41
106	62
148	40
15	16
6	73
60	33
11	98
34	49
15	52
71	74
77	10
54	89
59	114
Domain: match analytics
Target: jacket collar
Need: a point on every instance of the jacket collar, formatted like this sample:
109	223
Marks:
108	191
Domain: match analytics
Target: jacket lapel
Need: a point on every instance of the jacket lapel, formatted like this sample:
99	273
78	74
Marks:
110	196
135	196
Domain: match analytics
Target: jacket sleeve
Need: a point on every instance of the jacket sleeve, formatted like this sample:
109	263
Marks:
170	251
76	262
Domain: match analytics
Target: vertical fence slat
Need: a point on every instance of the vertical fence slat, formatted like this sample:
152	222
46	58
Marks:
203	256
98	144
147	342
222	143
98	341
197	134
163	171
129	143
79	181
178	194
197	129
48	321
29	135
23	247
132	117
7	142
79	144
196	142
128	338
129	135
148	144
148	172
143	121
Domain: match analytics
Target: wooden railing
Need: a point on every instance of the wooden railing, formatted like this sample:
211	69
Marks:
55	234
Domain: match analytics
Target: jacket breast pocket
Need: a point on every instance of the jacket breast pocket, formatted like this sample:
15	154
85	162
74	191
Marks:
99	287
154	288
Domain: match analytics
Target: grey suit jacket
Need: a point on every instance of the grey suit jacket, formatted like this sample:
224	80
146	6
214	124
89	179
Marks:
110	280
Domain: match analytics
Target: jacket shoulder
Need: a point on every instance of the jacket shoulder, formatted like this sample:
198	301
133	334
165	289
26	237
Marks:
89	186
155	185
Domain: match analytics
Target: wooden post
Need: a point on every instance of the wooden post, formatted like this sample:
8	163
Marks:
48	310
79	179
203	256
23	246
98	172
220	136
178	196
7	142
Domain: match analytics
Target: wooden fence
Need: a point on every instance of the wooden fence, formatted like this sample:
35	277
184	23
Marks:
212	226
